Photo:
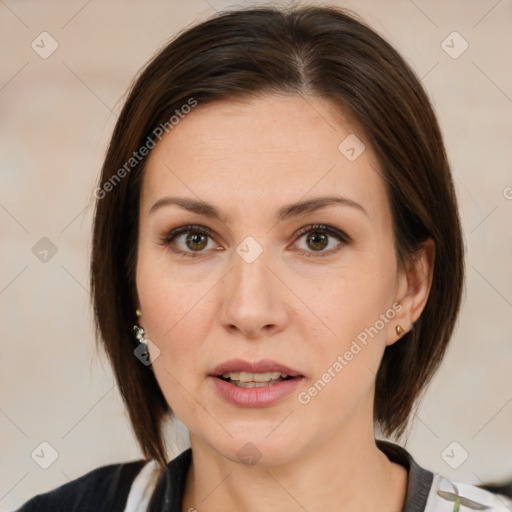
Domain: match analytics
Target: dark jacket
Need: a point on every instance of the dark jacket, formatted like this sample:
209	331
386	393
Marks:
107	488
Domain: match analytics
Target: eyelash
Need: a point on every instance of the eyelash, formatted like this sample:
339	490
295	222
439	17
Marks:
342	237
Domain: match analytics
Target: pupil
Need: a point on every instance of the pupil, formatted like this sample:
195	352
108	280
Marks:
318	238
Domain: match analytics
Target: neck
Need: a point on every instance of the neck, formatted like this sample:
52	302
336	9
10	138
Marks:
340	475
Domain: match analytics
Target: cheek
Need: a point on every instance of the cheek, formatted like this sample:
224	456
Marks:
356	299
173	316
168	300
358	310
176	322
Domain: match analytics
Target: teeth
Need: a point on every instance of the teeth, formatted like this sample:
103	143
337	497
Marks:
244	377
254	384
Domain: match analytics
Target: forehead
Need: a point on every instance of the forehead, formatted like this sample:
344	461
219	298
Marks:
281	147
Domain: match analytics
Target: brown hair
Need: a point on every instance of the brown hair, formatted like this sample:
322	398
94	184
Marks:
320	51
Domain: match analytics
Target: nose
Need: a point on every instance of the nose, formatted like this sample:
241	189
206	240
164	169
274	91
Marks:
254	299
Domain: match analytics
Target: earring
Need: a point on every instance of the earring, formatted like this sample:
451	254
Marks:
142	350
140	334
399	330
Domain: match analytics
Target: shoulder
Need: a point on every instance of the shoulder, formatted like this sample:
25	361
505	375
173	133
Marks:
433	492
446	494
103	488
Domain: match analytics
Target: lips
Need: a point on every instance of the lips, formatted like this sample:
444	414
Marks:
262	366
234	380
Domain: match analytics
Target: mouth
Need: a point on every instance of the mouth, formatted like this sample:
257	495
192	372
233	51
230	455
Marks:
262	383
263	373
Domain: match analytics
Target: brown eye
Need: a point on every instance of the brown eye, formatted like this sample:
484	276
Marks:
191	241
317	241
196	241
318	237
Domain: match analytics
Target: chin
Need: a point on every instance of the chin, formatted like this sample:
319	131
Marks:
258	449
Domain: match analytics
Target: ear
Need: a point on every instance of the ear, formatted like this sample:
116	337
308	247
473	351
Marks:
414	282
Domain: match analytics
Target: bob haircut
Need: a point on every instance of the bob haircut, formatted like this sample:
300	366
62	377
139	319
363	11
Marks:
311	51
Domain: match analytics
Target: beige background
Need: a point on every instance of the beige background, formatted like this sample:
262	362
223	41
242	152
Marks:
56	118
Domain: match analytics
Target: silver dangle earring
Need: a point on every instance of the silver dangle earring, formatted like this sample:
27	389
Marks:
140	334
142	351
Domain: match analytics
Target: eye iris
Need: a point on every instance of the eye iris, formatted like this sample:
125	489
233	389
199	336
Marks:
198	240
317	238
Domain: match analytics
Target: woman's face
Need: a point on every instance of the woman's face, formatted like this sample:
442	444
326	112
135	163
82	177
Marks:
310	290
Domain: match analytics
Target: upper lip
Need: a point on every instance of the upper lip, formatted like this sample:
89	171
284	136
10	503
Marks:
262	366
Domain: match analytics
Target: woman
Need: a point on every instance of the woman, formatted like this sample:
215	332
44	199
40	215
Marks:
277	259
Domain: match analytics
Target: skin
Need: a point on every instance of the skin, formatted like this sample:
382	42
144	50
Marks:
249	158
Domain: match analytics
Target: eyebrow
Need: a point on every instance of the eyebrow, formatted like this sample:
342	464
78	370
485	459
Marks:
290	210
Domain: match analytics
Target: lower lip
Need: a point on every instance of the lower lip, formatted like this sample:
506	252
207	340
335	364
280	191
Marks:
263	396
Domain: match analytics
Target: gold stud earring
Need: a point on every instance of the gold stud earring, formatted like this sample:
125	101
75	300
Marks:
399	330
138	312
